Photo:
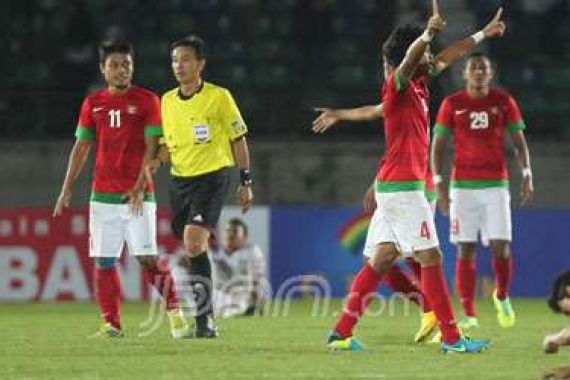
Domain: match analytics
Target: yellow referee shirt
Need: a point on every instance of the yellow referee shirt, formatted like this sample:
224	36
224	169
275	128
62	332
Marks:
198	131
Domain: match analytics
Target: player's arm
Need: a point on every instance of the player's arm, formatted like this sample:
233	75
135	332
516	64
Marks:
417	49
241	155
441	130
76	162
135	196
495	28
259	274
522	155
330	116
554	341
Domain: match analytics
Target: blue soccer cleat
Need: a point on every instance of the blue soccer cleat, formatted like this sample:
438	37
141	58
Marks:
466	346
337	343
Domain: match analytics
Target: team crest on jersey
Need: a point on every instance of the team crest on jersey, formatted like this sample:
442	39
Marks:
131	109
495	110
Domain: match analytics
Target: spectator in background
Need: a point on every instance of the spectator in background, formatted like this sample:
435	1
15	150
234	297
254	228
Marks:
239	273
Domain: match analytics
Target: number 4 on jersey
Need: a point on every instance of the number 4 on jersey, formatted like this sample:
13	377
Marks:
114	118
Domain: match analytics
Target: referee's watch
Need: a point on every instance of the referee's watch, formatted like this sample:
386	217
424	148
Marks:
245	177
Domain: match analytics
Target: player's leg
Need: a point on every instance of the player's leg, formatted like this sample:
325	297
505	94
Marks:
197	206
107	231
362	291
141	241
466	284
465	217
498	230
401	282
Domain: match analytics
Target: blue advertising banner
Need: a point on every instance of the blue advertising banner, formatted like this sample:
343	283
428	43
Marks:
327	242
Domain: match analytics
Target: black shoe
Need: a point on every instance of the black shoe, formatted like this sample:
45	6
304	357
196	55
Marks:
205	333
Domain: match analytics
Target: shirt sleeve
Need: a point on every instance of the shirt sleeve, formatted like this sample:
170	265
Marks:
514	120
153	123
85	126
444	120
230	116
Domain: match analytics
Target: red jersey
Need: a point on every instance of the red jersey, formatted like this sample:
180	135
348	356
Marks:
119	124
406	128
478	126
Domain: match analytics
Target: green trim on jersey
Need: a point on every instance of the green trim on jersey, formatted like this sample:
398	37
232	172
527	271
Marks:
479	183
516	126
152	130
441	130
400	82
116	198
395	186
430	195
84	133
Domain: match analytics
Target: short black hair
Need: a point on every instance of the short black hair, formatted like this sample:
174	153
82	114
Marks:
559	291
109	47
395	47
193	41
237	222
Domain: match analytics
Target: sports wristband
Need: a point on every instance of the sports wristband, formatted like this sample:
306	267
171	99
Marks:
245	177
526	172
426	36
478	37
437	179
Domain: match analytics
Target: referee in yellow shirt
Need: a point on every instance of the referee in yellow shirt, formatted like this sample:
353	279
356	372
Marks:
204	135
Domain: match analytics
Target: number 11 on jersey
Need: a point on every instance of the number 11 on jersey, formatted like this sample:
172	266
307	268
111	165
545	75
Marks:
114	118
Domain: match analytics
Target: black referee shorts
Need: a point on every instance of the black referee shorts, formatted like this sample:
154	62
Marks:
198	200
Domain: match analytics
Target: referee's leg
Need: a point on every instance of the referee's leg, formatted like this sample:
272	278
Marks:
198	266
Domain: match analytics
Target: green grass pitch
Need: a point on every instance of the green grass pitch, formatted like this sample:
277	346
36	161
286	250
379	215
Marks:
40	341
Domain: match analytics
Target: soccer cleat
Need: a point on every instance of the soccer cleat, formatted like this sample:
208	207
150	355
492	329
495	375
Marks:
505	313
178	324
205	333
107	330
466	346
467	323
428	324
337	343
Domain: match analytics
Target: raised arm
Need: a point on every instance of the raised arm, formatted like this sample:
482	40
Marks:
329	116
495	28
417	49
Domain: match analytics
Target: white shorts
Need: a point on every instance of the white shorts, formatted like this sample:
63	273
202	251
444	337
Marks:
486	211
110	225
404	218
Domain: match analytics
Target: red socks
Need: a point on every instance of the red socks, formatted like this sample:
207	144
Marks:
361	293
435	288
465	282
400	282
161	279
108	293
503	269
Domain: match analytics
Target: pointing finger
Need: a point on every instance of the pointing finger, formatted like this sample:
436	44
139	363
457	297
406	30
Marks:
498	14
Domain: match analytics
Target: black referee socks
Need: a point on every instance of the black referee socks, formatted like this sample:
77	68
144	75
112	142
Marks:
200	272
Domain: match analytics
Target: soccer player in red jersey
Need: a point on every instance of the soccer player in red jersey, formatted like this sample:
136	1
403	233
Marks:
123	122
396	278
478	117
402	223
